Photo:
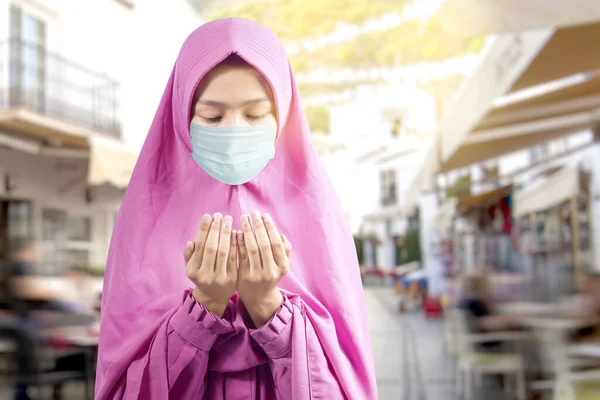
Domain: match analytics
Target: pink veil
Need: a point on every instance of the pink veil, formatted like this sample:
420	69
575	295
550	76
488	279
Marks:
168	193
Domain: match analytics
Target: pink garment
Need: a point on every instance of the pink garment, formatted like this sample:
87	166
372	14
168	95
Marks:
156	342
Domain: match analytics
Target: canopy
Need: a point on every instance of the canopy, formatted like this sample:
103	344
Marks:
110	163
558	188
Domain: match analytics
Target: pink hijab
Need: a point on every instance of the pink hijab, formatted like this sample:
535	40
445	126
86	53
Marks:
168	193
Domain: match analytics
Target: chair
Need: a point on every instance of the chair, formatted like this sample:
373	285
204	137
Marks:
578	386
473	363
30	361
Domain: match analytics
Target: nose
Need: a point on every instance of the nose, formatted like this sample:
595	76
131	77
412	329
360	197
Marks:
235	119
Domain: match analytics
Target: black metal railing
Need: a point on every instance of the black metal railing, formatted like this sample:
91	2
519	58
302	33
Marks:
35	79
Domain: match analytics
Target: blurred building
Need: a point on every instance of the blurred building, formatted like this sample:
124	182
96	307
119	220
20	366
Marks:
79	84
386	130
520	139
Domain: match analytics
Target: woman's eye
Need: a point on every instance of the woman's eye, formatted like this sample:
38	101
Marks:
256	117
213	120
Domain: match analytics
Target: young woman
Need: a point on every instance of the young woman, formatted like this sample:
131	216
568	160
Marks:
229	168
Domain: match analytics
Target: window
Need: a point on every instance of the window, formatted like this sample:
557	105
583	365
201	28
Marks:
66	240
79	229
27	58
388	187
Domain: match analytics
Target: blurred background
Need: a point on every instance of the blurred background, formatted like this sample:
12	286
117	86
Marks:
462	136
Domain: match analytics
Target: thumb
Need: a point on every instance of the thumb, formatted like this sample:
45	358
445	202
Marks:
287	245
188	251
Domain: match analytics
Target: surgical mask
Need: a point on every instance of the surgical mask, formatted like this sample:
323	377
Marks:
233	155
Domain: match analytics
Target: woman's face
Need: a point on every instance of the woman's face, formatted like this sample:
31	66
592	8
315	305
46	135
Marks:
233	94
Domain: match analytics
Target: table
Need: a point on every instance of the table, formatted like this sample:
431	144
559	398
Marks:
81	338
553	332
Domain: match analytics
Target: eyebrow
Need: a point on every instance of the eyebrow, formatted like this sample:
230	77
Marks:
225	105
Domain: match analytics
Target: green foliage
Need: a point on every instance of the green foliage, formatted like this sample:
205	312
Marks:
358	243
292	20
460	188
295	20
318	119
401	45
412	245
95	270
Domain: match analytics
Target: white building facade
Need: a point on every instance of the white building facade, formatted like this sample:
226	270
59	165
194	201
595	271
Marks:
73	75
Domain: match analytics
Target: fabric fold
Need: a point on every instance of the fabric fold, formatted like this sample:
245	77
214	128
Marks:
274	337
198	325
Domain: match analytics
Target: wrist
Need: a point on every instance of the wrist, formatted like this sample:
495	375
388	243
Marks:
215	307
263	308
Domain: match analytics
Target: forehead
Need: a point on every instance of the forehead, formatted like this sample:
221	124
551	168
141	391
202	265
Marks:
231	83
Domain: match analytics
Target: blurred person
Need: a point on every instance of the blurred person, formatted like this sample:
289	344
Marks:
21	288
230	136
481	317
589	305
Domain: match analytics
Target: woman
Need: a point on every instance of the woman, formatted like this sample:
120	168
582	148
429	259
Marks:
481	317
230	137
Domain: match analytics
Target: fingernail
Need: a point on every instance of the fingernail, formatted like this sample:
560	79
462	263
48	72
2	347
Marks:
189	246
217	216
206	218
283	237
227	221
266	217
245	220
255	214
240	236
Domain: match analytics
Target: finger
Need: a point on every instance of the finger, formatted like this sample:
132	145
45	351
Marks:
262	239
251	244
188	251
212	243
242	249
201	238
287	245
223	252
232	262
277	248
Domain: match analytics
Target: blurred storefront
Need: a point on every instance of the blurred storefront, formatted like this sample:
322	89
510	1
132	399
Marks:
524	95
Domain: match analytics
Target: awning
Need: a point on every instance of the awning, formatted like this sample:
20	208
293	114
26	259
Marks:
484	199
558	188
445	215
484	17
473	131
110	163
503	61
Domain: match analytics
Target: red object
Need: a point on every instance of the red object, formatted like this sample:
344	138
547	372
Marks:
432	307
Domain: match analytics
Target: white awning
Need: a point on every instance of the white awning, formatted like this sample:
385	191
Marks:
472	130
558	188
503	61
110	163
484	17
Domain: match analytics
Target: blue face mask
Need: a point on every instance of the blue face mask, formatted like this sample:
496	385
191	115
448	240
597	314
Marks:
233	155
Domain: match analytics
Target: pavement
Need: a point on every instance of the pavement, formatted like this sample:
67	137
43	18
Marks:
408	350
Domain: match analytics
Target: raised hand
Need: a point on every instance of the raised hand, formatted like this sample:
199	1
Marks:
264	260
211	263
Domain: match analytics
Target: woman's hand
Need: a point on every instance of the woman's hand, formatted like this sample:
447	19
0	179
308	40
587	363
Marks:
211	263
264	261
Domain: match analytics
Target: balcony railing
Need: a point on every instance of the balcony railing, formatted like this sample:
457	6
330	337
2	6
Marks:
34	79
